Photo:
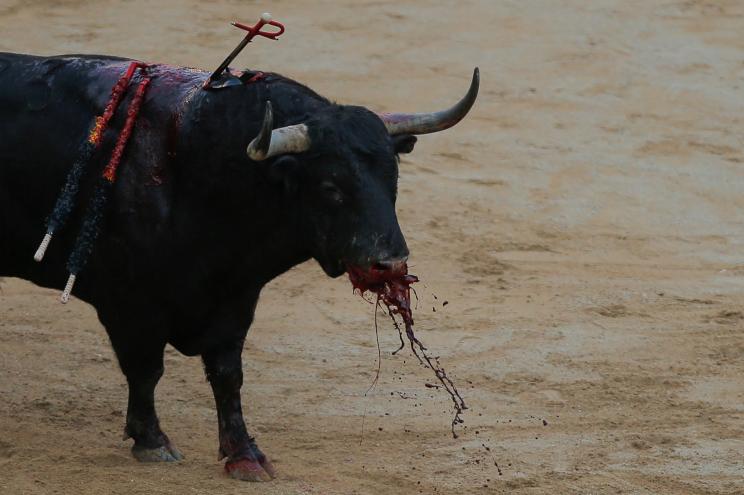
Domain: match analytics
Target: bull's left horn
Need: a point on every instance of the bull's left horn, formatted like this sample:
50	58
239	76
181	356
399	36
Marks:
269	143
424	123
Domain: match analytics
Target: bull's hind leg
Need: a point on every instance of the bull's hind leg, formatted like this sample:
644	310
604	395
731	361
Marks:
142	364
244	459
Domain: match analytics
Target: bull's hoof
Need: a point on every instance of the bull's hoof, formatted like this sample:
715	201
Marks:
268	467
250	470
165	453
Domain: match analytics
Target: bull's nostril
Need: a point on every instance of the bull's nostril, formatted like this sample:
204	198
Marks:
383	265
395	265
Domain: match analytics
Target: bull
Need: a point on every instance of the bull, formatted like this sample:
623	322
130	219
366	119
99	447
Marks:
219	192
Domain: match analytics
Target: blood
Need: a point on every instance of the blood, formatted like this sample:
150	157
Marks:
393	289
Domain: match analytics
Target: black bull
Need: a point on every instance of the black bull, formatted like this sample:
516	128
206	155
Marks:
196	226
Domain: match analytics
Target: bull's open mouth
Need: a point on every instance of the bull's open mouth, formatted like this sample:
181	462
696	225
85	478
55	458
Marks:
375	279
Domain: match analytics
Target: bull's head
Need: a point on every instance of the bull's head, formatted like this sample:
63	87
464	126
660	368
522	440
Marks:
348	187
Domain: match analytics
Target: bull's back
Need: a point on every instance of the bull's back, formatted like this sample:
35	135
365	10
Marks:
46	106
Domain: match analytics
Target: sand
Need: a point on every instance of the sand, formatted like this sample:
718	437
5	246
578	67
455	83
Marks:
585	224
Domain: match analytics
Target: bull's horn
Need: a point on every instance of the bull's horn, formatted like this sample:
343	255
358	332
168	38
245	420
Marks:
268	143
424	123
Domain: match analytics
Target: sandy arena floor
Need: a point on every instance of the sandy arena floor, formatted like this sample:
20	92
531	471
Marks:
585	223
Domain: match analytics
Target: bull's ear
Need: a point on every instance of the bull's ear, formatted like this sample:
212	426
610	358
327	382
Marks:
284	170
404	143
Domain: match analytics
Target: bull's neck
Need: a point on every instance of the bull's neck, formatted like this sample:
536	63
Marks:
243	224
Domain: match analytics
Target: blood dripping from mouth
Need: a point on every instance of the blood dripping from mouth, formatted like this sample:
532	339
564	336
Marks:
393	289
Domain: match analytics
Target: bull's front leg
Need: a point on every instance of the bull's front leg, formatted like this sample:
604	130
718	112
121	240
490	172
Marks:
245	461
142	364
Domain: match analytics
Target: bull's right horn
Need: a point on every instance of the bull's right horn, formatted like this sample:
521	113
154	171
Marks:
269	143
424	123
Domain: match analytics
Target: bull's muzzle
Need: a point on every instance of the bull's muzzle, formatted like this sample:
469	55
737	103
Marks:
394	266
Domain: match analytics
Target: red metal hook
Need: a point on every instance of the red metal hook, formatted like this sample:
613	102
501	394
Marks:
253	31
256	30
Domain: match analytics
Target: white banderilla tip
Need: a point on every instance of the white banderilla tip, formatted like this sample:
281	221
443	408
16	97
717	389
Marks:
68	288
43	247
266	17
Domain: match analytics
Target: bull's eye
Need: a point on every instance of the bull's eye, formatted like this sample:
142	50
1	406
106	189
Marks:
331	193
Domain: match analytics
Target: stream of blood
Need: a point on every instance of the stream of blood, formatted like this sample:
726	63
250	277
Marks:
393	289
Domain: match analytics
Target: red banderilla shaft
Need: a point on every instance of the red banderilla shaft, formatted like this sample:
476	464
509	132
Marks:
109	173
102	122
